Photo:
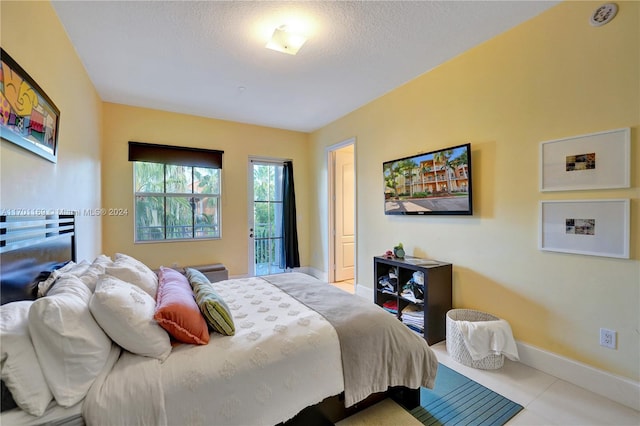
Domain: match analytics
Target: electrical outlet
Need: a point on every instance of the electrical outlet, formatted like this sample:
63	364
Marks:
608	338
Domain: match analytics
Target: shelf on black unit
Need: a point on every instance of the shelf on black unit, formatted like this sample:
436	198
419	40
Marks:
437	290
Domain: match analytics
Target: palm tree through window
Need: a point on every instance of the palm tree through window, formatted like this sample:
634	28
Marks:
174	202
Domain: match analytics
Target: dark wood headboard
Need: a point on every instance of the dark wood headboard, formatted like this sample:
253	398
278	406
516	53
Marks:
29	246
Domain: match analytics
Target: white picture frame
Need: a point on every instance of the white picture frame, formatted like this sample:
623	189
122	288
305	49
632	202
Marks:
593	161
589	227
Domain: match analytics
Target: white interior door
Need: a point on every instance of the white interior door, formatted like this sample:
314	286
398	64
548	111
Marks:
344	213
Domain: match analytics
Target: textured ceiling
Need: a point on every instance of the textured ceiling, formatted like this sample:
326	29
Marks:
207	58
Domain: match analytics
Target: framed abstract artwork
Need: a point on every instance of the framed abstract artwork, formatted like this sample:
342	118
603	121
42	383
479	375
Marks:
28	117
591	227
592	161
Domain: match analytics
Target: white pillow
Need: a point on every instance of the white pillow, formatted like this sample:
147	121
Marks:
91	274
20	370
135	272
71	347
79	268
103	260
125	312
71	267
44	286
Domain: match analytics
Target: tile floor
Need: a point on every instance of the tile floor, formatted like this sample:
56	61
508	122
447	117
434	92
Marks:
546	399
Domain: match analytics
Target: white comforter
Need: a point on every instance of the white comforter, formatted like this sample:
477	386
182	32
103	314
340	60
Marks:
282	358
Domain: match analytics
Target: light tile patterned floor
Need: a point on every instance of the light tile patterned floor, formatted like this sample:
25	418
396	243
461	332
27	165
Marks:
546	399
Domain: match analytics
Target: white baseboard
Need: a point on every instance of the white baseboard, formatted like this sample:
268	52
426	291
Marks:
314	272
619	389
364	292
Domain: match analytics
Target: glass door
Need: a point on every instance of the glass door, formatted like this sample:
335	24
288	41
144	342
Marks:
265	221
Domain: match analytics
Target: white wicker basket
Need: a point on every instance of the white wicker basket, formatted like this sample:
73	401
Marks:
455	343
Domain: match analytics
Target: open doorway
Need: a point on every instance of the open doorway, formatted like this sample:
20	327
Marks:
342	226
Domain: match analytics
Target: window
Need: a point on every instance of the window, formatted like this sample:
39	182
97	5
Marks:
175	201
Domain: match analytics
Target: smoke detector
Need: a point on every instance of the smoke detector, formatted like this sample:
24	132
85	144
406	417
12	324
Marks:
604	14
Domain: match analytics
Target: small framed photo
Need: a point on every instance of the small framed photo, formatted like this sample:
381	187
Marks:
28	118
591	227
593	161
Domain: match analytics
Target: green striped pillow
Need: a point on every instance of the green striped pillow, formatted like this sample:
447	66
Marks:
212	306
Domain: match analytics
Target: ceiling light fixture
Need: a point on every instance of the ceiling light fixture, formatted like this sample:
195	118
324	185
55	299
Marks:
286	41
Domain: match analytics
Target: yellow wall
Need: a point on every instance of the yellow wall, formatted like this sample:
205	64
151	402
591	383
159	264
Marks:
238	141
554	76
33	36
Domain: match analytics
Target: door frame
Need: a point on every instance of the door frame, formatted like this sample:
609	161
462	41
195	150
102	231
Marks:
250	196
331	211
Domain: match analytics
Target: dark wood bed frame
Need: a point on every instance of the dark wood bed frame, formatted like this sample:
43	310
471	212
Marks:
332	409
33	246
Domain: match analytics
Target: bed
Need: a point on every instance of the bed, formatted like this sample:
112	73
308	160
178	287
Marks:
297	344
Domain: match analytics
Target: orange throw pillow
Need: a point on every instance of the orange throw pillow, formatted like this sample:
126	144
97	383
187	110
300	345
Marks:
176	309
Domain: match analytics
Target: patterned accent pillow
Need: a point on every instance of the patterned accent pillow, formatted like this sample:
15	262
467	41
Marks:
177	311
212	306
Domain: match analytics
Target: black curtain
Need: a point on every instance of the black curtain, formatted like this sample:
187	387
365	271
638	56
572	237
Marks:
289	256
